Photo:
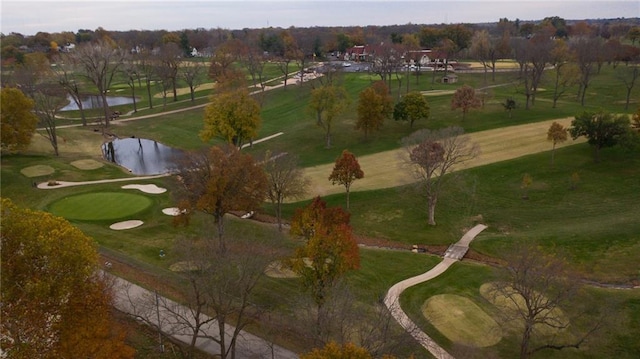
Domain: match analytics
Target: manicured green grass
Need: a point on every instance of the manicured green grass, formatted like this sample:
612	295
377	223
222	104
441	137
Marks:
100	206
594	225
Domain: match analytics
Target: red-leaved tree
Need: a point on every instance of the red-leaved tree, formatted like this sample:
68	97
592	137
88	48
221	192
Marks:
465	98
345	171
330	250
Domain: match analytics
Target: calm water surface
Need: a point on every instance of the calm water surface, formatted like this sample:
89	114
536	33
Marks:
141	156
90	102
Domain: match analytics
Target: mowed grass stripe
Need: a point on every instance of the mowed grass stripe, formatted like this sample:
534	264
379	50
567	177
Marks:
388	169
100	206
462	321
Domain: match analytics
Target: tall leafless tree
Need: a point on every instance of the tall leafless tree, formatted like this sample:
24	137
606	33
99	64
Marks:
99	63
132	74
285	180
538	292
48	100
68	78
218	301
434	154
192	73
585	54
170	61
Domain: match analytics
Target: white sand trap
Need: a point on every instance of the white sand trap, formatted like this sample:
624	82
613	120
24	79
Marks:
172	211
146	188
126	225
87	164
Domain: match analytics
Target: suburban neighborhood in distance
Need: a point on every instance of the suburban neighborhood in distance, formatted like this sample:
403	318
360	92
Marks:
418	190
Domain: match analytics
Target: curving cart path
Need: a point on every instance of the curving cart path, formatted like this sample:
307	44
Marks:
392	299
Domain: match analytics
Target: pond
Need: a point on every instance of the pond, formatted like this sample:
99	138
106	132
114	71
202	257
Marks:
141	156
94	101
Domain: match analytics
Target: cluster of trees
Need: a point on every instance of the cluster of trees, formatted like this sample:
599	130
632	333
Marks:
55	303
574	52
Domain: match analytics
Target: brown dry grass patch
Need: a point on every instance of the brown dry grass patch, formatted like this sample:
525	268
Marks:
389	169
462	321
37	170
87	164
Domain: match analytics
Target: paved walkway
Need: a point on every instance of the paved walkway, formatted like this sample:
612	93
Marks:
392	299
142	304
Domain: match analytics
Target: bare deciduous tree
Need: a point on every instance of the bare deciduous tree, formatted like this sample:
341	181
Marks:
48	100
65	70
285	180
99	62
434	154
218	301
537	292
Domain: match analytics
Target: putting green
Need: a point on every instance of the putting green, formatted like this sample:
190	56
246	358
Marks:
461	320
100	206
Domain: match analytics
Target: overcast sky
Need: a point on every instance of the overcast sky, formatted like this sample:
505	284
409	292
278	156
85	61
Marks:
28	17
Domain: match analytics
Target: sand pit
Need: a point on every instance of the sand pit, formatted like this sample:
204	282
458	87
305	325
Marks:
172	211
278	270
126	225
37	170
87	164
187	266
146	188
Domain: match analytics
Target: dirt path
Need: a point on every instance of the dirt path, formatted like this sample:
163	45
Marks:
388	169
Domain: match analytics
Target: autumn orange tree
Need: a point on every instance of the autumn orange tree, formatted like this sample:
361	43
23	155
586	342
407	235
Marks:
54	303
334	351
374	106
217	181
17	119
465	98
330	250
556	134
345	171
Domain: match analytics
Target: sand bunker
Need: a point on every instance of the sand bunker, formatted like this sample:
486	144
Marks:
278	270
37	170
146	188
87	164
187	266
172	211
126	225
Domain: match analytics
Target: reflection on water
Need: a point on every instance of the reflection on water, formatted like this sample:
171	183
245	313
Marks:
141	156
94	101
